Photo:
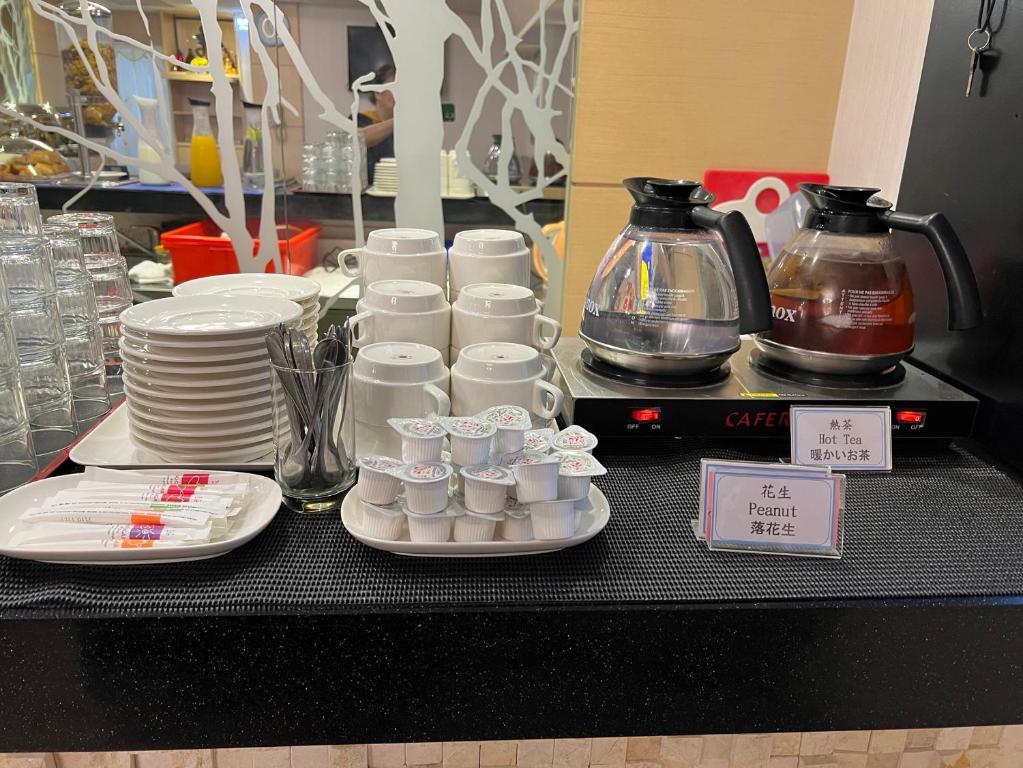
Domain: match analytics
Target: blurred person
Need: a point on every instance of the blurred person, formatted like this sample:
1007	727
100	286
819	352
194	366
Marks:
377	124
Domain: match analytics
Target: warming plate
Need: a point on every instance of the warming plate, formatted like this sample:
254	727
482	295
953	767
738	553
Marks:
748	403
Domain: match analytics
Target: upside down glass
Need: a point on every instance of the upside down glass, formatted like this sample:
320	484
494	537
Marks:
19	209
109	272
314	436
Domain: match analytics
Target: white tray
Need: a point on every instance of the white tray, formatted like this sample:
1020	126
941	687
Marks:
265	498
110	445
595	514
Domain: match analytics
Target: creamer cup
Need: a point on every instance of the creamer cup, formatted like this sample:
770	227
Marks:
426	486
421	439
536	476
471	439
539	440
475	526
517	524
434	527
377	481
575	472
553	519
382	521
486	487
512	422
574	439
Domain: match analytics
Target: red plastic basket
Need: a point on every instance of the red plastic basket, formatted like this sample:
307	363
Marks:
198	250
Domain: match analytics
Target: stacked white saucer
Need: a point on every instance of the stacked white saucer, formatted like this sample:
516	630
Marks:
301	290
385	175
197	375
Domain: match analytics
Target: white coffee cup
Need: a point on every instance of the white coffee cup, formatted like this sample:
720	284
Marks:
488	256
395	380
398	254
487	312
403	310
501	373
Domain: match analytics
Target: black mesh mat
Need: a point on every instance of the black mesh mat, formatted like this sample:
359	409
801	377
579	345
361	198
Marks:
948	524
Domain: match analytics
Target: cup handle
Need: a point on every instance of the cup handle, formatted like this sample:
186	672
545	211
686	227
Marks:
548	365
440	398
545	342
355	271
547	400
365	320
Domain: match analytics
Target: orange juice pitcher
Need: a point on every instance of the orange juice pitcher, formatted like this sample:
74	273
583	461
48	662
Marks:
203	157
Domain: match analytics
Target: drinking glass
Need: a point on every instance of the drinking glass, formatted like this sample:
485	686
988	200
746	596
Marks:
314	437
88	378
19	209
37	325
48	399
79	316
17	453
109	272
25	262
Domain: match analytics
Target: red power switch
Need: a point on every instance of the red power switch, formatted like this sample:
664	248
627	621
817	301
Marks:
646	414
912	418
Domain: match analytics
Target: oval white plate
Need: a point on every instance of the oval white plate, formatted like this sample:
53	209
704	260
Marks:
193	366
161	413
264	502
110	445
291	287
209	315
222	407
164	440
205	346
163	354
200	427
222	397
595	512
143	377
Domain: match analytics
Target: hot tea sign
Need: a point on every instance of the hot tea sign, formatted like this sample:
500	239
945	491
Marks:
842	438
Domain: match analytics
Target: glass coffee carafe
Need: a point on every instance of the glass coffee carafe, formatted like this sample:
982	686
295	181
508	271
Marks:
678	285
841	299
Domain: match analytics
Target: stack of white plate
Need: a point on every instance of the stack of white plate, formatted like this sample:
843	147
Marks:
385	175
301	290
197	375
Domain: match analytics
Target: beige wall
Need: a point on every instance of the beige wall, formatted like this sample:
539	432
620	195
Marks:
674	87
875	110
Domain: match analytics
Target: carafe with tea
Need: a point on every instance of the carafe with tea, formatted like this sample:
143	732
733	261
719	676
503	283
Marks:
841	299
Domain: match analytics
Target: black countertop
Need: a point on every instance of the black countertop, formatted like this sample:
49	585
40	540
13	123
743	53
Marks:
174	200
304	636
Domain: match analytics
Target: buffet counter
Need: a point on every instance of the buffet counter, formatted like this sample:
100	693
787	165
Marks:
174	200
305	636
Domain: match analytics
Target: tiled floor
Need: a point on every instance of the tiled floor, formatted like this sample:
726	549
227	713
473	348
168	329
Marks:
980	747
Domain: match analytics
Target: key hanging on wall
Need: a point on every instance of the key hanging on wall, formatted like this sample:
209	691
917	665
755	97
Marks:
982	55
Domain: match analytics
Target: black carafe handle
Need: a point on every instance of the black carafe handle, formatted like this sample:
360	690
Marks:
963	297
747	269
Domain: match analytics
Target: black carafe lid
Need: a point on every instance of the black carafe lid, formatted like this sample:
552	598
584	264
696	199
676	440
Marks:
851	210
665	203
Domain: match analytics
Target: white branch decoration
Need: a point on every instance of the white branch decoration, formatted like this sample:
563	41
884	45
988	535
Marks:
15	52
416	32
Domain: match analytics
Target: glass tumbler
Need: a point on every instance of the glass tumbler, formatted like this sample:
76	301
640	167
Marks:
48	399
25	262
17	452
314	436
79	316
109	272
19	209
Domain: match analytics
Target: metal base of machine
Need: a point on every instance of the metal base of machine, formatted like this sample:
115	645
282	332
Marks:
655	364
829	363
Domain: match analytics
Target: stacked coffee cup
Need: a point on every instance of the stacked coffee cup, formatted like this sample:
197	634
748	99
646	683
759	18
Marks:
404	313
